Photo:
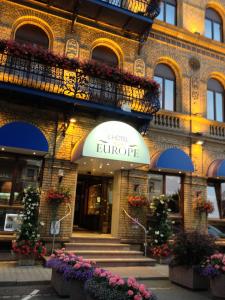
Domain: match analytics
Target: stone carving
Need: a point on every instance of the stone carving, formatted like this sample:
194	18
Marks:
72	49
139	67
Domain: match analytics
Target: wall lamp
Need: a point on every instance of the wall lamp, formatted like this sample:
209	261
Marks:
198	138
65	125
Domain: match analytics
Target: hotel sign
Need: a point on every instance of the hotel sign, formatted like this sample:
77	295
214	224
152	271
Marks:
116	141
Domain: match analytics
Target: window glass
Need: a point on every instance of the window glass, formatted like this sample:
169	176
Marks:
159	80
170	14
155	185
161	15
223	200
219	107
217	32
6	178
173	189
210	105
208	29
211	196
169	95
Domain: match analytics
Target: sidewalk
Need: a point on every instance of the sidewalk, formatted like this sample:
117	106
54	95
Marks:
11	275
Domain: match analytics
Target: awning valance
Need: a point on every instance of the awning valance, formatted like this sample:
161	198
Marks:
23	137
217	168
113	140
173	159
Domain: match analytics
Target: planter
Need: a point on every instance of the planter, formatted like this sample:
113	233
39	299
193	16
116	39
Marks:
77	290
23	260
60	285
164	260
188	277
217	286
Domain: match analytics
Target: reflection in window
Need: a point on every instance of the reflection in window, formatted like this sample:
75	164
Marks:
216	194
213	25
16	174
168	12
169	185
167	81
215	99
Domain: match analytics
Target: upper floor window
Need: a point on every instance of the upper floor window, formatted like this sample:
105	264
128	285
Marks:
213	25
215	101
168	12
105	55
32	34
167	80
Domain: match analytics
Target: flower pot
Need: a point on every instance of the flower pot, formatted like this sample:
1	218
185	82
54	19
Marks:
188	277
217	286
25	260
60	285
77	290
165	260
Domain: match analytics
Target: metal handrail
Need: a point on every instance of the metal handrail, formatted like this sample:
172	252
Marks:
142	227
59	221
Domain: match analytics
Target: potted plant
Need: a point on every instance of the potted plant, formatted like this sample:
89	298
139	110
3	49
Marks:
189	251
214	268
106	286
27	246
160	229
69	272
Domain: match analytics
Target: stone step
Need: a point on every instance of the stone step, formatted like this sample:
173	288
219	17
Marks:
93	254
90	239
96	246
124	262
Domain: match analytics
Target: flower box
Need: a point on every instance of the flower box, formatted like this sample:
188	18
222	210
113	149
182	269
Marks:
217	286
25	260
188	277
60	285
77	290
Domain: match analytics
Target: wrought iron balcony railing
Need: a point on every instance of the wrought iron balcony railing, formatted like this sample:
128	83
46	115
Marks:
79	84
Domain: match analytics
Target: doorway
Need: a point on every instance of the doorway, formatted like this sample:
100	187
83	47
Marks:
93	205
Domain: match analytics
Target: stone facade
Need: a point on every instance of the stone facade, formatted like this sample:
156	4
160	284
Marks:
171	45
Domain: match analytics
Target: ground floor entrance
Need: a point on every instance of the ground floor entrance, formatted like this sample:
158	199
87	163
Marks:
93	206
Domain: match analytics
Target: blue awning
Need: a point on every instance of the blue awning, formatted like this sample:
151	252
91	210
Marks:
23	137
173	159
217	168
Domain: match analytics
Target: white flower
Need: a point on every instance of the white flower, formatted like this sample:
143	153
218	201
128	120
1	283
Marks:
156	241
161	235
42	223
157	232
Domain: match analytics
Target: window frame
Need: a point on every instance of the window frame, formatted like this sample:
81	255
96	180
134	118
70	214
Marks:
181	203
165	3
17	157
217	184
214	92
212	22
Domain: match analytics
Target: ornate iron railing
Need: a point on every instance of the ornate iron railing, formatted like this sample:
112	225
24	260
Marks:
31	73
148	8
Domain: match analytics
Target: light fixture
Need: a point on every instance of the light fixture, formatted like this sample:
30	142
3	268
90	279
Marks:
108	164
3	149
131	165
34	153
180	172
196	32
84	163
199	142
73	120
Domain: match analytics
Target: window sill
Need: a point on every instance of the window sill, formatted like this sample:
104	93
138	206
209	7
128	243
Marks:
11	206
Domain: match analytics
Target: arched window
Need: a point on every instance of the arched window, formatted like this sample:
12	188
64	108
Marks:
215	101
32	34
213	25
167	80
105	55
168	12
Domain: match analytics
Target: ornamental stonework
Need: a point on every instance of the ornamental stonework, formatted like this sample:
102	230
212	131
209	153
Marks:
139	67
72	49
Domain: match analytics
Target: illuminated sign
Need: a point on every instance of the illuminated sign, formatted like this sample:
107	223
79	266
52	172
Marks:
115	141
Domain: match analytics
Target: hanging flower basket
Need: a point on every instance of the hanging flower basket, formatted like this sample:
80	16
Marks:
137	201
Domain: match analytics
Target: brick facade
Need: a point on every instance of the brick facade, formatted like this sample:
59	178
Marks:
172	45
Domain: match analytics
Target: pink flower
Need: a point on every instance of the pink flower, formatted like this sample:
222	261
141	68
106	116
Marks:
130	293
77	266
120	282
138	297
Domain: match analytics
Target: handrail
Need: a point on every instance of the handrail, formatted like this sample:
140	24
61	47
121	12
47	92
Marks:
58	222
140	225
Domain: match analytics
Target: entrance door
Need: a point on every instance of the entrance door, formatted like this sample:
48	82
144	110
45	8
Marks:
93	209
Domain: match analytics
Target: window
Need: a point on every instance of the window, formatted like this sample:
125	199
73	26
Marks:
216	194
215	101
32	34
105	55
166	78
170	185
213	25
168	12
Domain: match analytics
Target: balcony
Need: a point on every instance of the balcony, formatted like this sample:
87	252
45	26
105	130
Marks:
129	15
34	71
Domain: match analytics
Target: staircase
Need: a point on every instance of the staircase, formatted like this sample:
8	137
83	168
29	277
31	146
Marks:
106	251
